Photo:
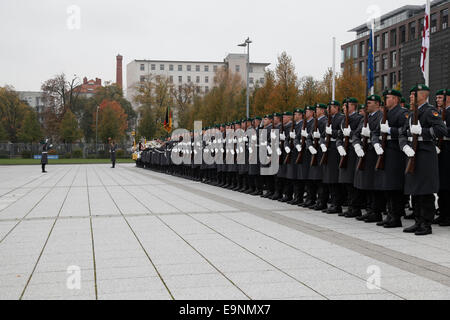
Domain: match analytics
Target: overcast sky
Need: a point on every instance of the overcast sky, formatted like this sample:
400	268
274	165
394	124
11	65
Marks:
40	39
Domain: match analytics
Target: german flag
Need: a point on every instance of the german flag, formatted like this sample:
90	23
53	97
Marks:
168	120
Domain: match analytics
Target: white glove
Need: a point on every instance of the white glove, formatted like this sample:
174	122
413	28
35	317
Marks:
241	149
409	151
279	152
438	151
269	150
282	137
232	152
222	150
288	150
359	151
304	133
219	141
273	135
384	128
254	138
195	152
245	139
292	135
235	140
342	151
316	134
240	140
378	149
216	150
312	150
324	148
206	151
347	132
416	129
250	150
298	147
365	132
328	130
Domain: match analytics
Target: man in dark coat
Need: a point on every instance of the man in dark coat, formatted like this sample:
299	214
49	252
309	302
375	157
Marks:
305	165
285	149
293	142
254	170
424	182
269	183
112	151
44	156
347	173
331	167
443	101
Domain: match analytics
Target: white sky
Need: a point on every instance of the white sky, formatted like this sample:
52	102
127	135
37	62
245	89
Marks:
37	44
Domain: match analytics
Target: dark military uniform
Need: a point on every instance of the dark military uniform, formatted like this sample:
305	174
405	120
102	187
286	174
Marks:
112	150
44	155
444	174
305	165
424	182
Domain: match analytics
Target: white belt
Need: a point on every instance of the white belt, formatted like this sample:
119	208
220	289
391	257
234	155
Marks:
446	139
333	140
44	152
410	139
388	138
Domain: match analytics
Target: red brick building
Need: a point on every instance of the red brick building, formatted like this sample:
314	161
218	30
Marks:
88	87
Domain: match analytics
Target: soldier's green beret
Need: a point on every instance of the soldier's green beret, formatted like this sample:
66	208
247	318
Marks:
420	87
258	118
374	97
298	110
249	119
403	100
352	100
321	106
277	114
268	116
392	92
407	106
361	106
287	113
334	103
443	92
243	120
310	108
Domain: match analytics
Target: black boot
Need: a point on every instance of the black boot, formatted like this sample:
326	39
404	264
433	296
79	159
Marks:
374	218
424	230
413	229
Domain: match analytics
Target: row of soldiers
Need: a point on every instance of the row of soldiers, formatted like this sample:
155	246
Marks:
376	158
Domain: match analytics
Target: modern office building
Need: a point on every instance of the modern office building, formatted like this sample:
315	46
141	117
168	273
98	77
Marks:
35	100
199	73
398	41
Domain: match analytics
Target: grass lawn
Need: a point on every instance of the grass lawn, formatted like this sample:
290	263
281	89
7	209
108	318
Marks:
4	162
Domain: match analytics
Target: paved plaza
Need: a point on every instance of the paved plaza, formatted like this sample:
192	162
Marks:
91	232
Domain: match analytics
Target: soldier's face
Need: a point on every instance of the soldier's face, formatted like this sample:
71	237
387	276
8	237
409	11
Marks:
257	123
309	114
286	119
391	101
297	117
440	100
448	101
372	106
276	120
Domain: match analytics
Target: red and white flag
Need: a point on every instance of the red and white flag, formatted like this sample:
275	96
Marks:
425	56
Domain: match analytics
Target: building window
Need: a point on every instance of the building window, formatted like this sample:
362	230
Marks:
215	68
153	67
400	76
402	34
206	89
355	51
251	69
384	83
189	68
206	79
142	67
238	68
434	22
180	67
261	81
444	19
377	43
394	59
342	56
385	62
180	79
197	79
197	90
362	49
142	79
348	54
171	79
412	31
189	78
197	68
161	67
206	68
385	40
362	68
251	80
394	38
171	67
377	64
393	79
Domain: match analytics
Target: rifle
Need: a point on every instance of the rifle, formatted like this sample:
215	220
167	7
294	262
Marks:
291	144
362	161
411	167
281	142
441	140
344	160
303	144
384	136
324	160
314	160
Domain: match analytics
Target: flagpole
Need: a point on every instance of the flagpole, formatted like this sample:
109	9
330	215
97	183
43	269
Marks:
334	70
427	59
372	90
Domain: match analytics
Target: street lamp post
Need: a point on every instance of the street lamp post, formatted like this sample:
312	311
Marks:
96	133
247	44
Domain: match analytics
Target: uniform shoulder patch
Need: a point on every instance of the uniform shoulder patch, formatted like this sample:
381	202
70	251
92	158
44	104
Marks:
435	114
407	115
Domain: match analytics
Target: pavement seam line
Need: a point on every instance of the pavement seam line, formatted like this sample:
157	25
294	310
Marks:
92	235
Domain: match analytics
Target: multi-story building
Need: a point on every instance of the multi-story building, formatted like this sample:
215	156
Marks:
88	87
35	100
201	74
398	44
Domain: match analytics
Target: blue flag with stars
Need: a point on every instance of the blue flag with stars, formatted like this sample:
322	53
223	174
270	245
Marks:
370	64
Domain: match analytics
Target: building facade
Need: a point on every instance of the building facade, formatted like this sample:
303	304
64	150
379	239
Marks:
87	89
35	100
201	74
398	40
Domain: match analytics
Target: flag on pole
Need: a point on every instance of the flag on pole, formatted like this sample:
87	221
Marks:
370	66
168	120
425	52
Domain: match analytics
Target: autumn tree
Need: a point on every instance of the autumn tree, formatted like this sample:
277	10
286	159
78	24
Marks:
69	130
350	83
112	121
30	130
286	92
3	133
12	112
147	124
261	102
